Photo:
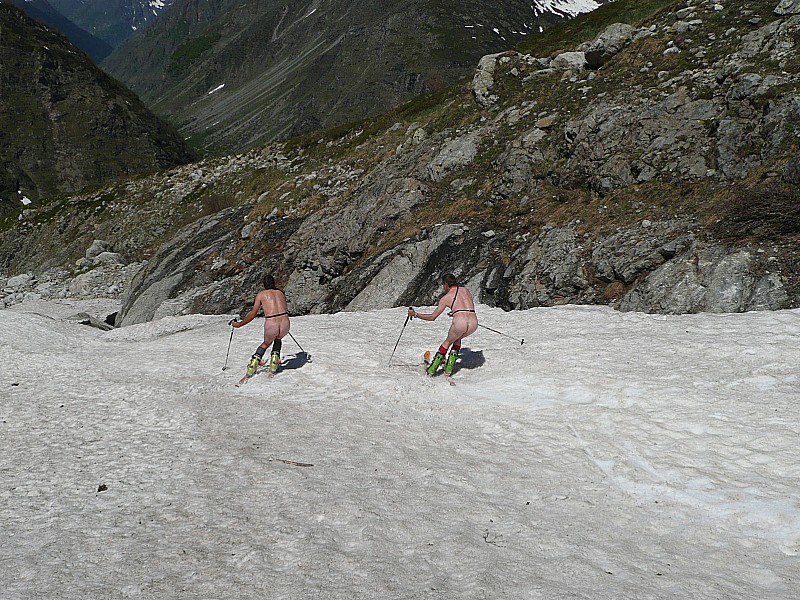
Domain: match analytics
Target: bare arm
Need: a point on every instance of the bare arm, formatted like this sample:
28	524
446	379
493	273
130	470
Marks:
249	316
430	316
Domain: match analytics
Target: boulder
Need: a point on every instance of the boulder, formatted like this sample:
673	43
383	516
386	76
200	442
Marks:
98	247
483	81
19	282
570	61
609	42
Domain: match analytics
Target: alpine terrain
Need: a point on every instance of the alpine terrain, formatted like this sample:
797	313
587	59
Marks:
45	13
645	155
64	124
113	21
234	74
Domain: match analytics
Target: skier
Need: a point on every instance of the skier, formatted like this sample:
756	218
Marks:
276	325
465	321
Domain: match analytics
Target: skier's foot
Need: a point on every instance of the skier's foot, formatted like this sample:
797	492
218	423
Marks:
274	362
437	360
451	362
254	363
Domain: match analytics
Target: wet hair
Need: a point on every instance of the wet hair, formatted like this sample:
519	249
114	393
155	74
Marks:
449	279
269	282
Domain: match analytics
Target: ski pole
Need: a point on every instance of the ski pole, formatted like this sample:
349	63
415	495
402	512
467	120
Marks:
398	337
308	356
225	366
522	341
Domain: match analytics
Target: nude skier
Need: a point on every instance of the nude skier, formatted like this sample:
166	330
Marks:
465	322
276	324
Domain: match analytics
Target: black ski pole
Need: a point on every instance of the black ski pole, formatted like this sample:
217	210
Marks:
522	341
308	356
225	366
398	337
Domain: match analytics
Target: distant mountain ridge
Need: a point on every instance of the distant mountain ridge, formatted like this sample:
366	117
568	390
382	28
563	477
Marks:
231	74
44	12
66	125
113	21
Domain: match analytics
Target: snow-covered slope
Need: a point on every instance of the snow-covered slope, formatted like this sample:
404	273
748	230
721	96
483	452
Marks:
567	8
614	455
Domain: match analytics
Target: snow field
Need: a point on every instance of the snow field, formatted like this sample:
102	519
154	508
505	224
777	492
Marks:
614	455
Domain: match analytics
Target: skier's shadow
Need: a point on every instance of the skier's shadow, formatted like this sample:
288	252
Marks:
296	361
469	359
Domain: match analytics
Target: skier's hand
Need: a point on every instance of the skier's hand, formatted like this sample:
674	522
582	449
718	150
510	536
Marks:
411	312
234	323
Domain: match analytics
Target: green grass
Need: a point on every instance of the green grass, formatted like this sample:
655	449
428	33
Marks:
188	52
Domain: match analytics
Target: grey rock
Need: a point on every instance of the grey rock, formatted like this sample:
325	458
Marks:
175	268
388	285
109	258
331	239
570	61
552	271
98	247
455	154
632	252
483	81
609	42
707	279
516	168
247	230
20	281
788	7
791	171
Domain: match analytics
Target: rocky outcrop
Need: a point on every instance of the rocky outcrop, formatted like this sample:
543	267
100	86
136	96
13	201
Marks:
788	7
661	175
610	42
483	81
707	280
101	274
178	269
651	267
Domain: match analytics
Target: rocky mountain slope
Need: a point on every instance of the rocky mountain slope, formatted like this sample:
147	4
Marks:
113	21
45	13
234	74
646	155
66	125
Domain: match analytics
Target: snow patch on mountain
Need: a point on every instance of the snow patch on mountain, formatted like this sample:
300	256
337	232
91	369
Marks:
569	8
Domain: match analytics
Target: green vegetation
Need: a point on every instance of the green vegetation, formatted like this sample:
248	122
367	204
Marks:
569	34
189	52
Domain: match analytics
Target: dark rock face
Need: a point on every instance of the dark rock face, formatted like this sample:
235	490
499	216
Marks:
66	125
43	12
